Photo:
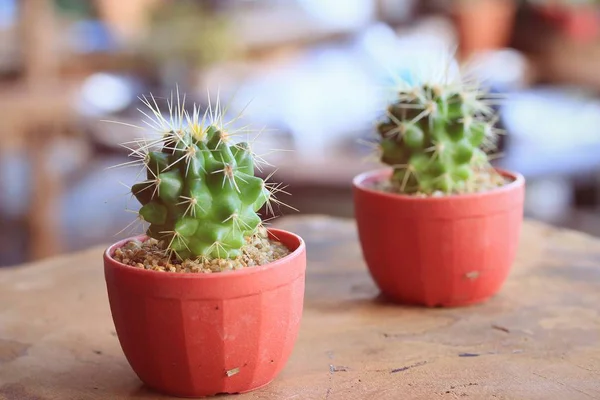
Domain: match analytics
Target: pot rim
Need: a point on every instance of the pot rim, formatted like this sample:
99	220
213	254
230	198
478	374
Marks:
109	260
377	174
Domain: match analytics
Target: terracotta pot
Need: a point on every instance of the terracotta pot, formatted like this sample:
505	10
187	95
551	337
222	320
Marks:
195	335
438	251
580	23
483	25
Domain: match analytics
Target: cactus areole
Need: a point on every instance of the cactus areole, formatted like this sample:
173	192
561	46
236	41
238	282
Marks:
436	138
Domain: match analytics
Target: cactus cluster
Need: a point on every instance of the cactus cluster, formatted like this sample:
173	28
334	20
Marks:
200	195
437	138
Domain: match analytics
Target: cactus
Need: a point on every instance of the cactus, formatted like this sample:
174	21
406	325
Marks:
436	137
201	195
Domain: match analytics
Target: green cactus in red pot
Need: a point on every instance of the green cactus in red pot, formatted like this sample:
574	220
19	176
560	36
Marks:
219	291
439	225
200	196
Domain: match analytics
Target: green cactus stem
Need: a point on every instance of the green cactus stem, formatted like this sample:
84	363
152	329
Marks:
437	139
201	195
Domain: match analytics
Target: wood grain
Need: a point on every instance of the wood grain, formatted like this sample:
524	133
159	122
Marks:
538	339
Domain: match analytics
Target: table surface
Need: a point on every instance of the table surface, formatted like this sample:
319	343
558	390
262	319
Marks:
538	339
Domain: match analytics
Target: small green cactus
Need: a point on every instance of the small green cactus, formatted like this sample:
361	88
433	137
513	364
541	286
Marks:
201	195
437	138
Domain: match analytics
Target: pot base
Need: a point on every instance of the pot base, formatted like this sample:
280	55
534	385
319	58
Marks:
443	304
204	396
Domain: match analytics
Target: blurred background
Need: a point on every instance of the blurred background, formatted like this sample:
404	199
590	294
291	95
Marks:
311	69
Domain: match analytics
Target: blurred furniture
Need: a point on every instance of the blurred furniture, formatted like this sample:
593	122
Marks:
538	337
35	111
32	120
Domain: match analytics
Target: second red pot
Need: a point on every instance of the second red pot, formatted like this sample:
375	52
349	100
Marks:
438	251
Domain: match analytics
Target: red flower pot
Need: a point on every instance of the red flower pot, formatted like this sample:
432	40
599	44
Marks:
438	251
582	24
483	25
196	335
579	22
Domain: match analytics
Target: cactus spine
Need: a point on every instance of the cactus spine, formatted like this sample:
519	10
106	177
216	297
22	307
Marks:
201	195
436	138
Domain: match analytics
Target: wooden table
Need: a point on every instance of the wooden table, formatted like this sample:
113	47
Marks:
538	339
